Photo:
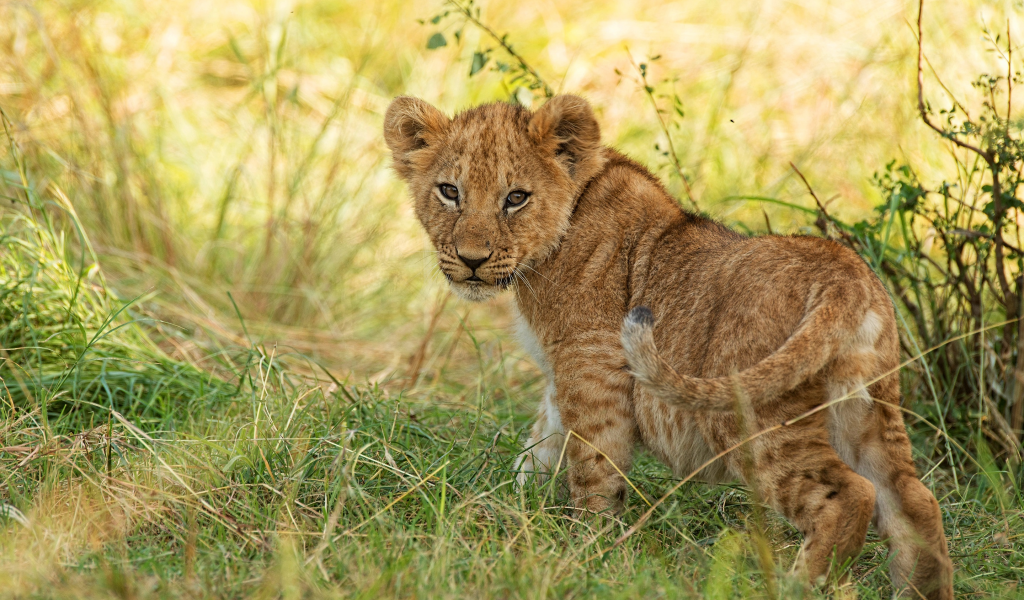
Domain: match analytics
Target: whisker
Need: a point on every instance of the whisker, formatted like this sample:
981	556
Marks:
526	281
519	276
535	271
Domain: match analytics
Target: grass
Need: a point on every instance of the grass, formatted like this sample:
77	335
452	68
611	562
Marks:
265	483
229	368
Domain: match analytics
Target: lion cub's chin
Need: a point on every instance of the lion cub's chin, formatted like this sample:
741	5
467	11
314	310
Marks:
474	292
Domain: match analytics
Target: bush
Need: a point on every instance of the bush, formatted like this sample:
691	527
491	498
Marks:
951	255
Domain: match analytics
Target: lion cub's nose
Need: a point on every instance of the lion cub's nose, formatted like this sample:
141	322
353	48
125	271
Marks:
473	263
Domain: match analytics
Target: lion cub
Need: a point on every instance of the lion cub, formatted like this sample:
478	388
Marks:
654	325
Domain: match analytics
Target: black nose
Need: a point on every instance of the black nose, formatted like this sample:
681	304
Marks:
473	263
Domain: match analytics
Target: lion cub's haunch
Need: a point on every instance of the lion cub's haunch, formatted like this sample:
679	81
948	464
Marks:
617	286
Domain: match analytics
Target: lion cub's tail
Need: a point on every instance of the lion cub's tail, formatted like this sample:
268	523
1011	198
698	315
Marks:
831	322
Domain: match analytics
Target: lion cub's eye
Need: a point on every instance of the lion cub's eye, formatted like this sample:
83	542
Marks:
516	199
449	191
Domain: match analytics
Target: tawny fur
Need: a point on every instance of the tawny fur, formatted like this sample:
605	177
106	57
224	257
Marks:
721	323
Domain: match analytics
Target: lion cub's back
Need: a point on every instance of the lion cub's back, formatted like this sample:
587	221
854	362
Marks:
727	306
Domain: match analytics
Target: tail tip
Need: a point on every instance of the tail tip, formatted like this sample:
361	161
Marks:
641	315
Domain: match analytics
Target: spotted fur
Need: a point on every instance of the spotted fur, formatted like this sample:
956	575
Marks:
616	285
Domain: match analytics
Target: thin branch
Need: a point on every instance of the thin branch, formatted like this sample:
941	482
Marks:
664	129
970	233
938	79
824	218
1009	76
988	156
468	13
920	93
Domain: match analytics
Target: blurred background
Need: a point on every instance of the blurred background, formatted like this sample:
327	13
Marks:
236	146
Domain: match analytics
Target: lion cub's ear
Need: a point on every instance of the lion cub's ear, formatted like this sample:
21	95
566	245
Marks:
565	127
411	125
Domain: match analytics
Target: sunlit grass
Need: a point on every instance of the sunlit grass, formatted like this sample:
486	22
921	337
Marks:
237	144
336	426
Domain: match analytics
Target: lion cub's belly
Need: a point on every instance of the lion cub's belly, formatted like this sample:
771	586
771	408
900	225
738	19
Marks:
673	436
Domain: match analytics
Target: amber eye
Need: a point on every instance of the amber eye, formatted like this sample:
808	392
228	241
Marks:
449	191
516	198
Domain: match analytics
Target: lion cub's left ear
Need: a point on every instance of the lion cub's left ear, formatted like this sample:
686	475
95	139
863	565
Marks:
566	128
411	126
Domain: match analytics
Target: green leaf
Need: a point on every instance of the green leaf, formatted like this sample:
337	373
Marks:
436	41
479	60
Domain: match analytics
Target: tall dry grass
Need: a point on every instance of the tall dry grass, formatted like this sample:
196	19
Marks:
236	145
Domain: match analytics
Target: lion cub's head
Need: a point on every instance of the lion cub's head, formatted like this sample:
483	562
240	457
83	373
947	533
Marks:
494	186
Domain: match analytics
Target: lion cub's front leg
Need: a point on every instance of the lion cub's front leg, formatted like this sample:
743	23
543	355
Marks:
592	395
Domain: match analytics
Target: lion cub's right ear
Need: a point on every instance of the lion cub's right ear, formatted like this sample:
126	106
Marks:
411	125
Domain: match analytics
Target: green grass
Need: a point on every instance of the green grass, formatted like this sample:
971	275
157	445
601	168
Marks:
130	474
228	367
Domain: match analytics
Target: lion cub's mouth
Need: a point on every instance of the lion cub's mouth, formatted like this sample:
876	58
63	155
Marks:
474	281
500	282
506	281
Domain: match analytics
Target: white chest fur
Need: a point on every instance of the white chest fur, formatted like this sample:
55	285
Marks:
529	341
546	438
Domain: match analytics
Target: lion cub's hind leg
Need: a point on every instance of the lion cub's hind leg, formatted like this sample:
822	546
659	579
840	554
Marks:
868	432
803	478
907	514
544	447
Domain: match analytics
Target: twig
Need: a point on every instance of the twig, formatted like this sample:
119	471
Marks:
987	155
664	129
824	218
922	110
468	13
970	233
1009	75
1017	413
